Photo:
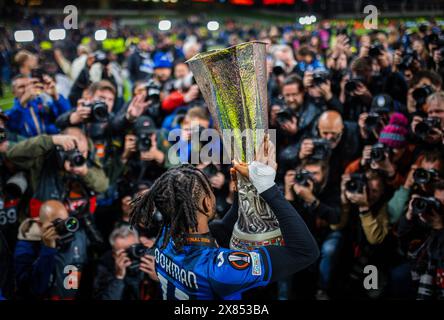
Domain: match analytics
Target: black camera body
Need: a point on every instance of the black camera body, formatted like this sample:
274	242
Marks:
378	151
373	121
423	177
65	229
101	57
321	149
284	115
357	183
407	61
352	84
320	77
302	177
375	50
152	91
424	205
426	126
99	111
73	156
144	141
135	252
420	95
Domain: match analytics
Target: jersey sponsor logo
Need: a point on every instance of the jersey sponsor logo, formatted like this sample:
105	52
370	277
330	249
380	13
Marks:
239	260
256	269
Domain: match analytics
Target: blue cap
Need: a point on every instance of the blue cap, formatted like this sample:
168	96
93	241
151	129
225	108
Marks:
161	60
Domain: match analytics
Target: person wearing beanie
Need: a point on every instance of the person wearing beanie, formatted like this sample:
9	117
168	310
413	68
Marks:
398	153
162	67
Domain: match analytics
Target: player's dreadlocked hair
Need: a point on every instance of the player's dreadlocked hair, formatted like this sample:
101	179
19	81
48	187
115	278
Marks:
176	195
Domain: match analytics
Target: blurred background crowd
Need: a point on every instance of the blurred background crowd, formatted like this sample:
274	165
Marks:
84	127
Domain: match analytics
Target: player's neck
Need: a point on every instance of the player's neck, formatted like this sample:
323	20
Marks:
202	228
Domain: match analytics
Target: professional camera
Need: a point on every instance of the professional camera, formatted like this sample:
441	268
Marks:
74	156
38	74
279	68
99	111
152	91
378	151
144	141
357	183
101	57
302	177
3	135
423	205
423	176
321	149
420	95
16	185
352	84
320	77
135	252
284	115
375	50
407	60
373	121
65	229
426	126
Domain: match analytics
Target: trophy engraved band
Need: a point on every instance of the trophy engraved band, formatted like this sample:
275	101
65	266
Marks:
233	82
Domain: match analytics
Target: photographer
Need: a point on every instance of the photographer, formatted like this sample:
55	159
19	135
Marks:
428	168
140	63
318	86
364	213
37	105
51	268
371	123
429	129
55	160
423	84
145	101
97	68
144	152
421	231
294	97
13	186
124	272
318	201
185	93
336	142
392	155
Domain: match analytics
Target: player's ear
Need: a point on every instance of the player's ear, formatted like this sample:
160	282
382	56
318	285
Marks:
207	204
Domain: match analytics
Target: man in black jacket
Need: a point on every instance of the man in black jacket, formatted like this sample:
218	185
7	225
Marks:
343	139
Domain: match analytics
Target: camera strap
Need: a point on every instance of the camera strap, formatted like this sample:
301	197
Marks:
201	240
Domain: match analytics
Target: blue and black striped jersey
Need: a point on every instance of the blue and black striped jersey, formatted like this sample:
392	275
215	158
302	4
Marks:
204	272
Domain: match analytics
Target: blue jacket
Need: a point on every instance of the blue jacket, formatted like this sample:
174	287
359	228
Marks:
41	272
37	117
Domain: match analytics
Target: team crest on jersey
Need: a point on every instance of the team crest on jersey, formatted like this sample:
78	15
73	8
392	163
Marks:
239	260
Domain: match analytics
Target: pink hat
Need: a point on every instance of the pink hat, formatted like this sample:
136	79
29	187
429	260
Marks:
394	135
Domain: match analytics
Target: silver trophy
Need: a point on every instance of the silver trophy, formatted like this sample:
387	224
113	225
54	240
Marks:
233	82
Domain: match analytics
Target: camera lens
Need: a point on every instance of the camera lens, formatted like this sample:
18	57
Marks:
144	142
100	111
72	224
419	205
421	176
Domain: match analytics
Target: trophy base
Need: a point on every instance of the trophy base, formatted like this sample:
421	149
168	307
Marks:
247	241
